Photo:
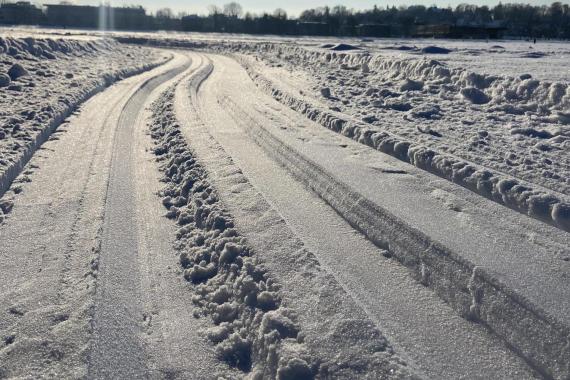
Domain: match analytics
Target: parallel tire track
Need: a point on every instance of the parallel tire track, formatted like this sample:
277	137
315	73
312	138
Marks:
117	350
541	339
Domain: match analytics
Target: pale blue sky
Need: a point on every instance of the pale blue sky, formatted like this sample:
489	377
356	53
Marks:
293	7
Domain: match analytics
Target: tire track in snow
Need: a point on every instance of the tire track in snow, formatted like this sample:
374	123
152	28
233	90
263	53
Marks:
474	292
117	350
374	287
531	199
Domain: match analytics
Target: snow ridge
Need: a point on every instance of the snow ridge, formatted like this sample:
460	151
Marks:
252	331
22	48
522	94
23	139
523	197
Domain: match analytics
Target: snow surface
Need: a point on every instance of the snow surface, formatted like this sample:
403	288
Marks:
253	329
42	80
505	137
493	117
272	143
513	125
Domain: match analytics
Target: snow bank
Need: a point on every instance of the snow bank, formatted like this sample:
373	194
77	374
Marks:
25	48
37	92
540	97
523	197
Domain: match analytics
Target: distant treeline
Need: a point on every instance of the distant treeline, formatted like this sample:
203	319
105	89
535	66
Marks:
463	21
521	20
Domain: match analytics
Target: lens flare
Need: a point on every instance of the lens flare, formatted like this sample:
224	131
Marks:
106	17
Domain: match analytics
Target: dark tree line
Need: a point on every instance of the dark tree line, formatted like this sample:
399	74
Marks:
518	20
523	20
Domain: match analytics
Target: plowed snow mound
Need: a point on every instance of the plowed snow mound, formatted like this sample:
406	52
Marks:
343	47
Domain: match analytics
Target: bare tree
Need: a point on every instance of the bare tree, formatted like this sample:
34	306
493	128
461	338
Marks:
233	10
164	13
280	13
214	10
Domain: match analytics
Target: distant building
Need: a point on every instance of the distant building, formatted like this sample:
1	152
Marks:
131	18
101	17
374	30
491	31
20	13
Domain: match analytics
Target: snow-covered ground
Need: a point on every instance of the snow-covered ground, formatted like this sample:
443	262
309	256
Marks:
510	122
268	207
43	80
504	136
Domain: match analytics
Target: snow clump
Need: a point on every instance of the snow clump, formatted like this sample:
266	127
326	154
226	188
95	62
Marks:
252	331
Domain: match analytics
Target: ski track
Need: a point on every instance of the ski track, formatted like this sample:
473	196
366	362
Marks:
118	312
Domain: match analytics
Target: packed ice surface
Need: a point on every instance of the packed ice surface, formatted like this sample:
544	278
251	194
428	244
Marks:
43	79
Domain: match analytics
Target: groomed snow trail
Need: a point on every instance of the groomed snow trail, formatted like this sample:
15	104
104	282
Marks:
467	249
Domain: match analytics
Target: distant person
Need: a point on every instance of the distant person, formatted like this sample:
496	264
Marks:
535	41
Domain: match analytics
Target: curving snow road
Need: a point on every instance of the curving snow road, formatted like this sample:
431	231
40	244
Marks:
466	249
430	279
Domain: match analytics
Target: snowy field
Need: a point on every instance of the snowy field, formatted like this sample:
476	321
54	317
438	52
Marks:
196	206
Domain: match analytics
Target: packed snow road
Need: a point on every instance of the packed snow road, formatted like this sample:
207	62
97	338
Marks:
468	250
86	260
291	252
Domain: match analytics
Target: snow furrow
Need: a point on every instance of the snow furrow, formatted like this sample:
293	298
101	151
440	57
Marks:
254	327
473	292
518	195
